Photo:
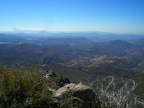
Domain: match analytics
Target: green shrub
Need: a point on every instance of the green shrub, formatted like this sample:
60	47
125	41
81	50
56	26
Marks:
19	89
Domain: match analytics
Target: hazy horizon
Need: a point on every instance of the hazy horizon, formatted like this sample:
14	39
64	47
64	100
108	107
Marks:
111	16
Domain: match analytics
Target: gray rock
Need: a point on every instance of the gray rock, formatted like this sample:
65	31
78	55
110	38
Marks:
81	92
62	81
50	75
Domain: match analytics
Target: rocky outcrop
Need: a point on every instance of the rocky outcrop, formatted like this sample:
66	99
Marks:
62	81
81	93
50	75
59	81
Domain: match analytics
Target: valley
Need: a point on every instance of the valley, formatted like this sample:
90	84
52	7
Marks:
78	57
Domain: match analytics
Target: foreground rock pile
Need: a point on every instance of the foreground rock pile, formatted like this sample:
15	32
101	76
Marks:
80	94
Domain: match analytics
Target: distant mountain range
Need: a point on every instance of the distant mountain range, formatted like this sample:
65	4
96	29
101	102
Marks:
96	36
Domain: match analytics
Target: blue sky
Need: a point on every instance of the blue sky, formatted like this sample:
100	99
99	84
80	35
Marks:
117	16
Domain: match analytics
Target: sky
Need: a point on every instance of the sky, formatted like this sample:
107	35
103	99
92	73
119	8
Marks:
115	16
